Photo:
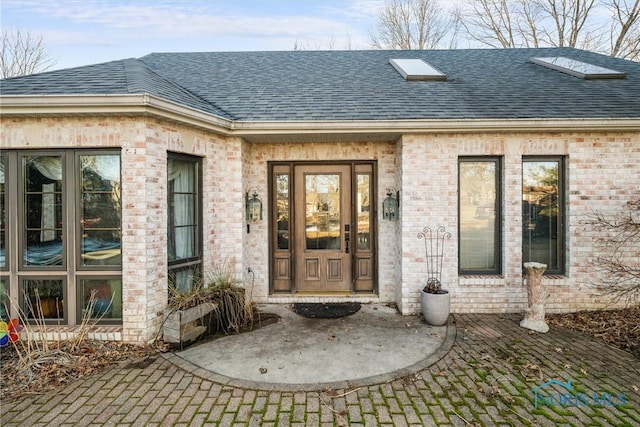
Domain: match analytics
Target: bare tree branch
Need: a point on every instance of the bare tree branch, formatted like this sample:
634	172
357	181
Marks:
618	245
22	53
625	30
558	23
415	24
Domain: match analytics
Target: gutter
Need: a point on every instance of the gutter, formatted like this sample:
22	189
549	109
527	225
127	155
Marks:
151	106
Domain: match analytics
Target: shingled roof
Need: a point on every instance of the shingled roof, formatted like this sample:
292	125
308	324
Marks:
355	85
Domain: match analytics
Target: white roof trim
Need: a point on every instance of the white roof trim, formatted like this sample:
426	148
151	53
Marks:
148	105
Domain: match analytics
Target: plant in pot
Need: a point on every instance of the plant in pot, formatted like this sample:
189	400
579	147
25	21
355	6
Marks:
435	303
434	300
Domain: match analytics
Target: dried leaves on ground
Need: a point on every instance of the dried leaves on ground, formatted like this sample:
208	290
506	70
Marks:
64	363
619	328
40	371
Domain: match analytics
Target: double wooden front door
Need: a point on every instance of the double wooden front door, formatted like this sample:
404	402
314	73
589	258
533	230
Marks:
323	228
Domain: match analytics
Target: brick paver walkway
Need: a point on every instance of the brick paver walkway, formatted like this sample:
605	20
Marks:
486	379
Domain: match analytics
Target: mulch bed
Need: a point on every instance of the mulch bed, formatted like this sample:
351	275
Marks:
619	328
47	370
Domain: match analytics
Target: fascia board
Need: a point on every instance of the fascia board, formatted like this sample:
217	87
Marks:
137	104
436	126
149	105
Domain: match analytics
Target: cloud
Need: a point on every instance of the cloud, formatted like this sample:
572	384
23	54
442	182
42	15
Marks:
83	31
183	19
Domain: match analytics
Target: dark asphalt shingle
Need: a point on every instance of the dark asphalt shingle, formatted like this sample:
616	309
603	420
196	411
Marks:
356	85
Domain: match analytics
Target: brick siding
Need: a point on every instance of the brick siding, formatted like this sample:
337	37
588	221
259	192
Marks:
603	173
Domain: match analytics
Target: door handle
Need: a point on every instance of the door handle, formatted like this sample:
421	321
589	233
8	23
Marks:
347	237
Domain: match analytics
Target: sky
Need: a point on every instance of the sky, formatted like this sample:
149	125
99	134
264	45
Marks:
82	32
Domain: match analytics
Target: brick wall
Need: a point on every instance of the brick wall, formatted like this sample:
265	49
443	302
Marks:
603	172
256	171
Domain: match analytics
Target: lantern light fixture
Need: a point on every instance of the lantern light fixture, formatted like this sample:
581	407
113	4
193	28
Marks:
391	205
253	206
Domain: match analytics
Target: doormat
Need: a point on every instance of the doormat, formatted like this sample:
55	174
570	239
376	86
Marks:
326	310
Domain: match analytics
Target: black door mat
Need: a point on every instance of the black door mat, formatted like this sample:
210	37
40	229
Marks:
326	310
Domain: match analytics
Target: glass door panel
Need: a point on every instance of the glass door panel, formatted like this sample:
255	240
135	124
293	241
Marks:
322	211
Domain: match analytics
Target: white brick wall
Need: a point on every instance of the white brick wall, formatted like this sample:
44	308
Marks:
255	175
603	172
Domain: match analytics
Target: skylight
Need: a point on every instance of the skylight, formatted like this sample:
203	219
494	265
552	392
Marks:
577	68
416	69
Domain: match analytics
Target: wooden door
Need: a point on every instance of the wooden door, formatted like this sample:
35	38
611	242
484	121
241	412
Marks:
322	242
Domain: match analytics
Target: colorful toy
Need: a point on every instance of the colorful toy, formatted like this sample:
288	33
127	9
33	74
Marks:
9	332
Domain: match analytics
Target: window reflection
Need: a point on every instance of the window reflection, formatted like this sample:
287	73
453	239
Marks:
43	220
101	209
478	232
364	211
4	300
3	261
44	299
540	210
282	210
322	211
107	298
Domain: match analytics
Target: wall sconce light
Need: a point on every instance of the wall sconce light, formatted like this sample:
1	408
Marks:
254	206
391	205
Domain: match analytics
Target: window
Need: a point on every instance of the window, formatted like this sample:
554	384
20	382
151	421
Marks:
3	231
183	223
100	298
363	210
282	181
479	216
416	69
44	299
42	215
577	68
100	210
4	301
66	221
542	212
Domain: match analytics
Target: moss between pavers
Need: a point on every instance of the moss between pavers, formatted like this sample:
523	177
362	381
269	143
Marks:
481	373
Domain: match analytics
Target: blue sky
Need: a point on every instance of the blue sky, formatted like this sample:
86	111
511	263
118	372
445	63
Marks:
80	32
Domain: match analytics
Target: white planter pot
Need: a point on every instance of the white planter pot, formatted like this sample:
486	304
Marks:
435	307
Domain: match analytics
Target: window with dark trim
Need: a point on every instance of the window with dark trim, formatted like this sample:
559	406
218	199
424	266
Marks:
64	223
479	215
3	219
543	212
184	216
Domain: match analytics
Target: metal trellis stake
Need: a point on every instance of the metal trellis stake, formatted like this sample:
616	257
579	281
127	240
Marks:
434	250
